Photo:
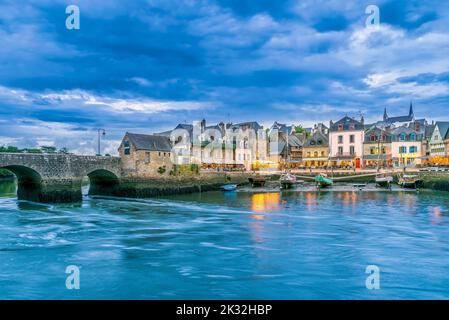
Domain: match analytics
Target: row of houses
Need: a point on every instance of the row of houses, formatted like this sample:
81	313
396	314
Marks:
347	143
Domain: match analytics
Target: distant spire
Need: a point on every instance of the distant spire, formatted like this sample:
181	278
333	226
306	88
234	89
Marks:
410	113
385	114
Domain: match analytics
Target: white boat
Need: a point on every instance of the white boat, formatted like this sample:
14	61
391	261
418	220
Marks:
287	180
384	180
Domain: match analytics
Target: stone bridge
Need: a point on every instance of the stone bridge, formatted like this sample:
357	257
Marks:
58	177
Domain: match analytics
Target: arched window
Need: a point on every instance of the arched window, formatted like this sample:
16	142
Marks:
403	136
412	136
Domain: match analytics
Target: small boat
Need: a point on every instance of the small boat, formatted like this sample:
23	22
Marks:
409	181
287	180
359	186
229	187
384	181
323	181
257	181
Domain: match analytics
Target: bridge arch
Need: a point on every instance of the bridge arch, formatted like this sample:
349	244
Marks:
102	182
29	182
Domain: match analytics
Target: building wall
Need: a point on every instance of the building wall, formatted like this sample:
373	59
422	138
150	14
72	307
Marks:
368	145
437	145
315	155
359	137
409	158
141	163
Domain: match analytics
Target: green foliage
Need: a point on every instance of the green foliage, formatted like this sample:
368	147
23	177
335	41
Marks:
300	130
161	170
185	170
43	149
5	173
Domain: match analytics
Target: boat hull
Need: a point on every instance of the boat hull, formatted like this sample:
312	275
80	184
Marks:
229	187
323	182
257	182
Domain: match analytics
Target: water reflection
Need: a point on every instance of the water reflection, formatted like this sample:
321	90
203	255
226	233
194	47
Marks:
263	202
8	188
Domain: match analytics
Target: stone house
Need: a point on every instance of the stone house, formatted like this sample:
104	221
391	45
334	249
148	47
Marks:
145	155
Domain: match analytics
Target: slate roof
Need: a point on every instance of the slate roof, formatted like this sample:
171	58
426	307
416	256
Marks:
314	141
149	142
347	122
443	127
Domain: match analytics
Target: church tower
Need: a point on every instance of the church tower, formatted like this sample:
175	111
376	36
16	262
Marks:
385	114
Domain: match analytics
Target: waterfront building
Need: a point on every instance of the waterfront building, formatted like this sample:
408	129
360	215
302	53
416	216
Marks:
407	147
145	155
316	149
437	141
220	146
346	138
377	148
439	144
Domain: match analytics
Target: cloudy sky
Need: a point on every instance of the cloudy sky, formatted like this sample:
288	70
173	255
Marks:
143	66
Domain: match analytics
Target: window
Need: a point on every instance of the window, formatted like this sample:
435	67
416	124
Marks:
412	136
340	139
126	148
147	157
351	138
159	153
315	154
340	127
403	136
352	127
384	151
373	138
372	151
413	149
323	154
402	149
308	154
340	150
352	150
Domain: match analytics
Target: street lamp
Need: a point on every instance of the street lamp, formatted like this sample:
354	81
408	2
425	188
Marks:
101	132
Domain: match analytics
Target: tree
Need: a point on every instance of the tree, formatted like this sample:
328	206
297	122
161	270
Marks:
48	149
64	150
300	130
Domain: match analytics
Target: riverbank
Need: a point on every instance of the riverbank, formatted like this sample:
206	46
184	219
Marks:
154	187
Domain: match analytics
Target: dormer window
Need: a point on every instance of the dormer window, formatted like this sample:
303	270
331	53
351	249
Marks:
126	148
340	127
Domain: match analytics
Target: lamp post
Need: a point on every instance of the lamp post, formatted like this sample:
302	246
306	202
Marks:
101	132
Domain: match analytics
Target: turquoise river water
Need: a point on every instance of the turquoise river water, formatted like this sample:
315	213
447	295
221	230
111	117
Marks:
240	245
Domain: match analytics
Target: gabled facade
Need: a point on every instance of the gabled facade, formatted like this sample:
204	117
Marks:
377	148
346	138
407	147
438	139
316	150
145	155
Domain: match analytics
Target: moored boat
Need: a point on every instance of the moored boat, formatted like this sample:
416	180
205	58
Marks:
287	180
257	181
384	181
323	181
410	181
229	187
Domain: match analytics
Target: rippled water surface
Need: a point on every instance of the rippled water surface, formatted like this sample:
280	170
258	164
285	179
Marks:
217	245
